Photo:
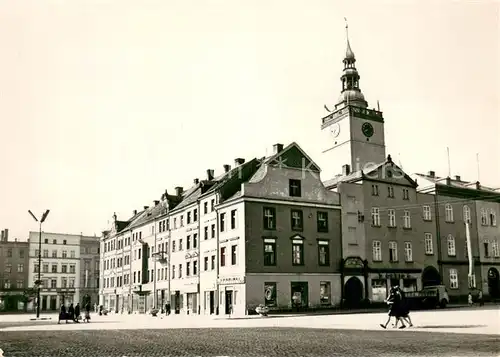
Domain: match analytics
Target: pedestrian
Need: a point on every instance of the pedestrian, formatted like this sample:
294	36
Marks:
395	308
71	313
95	308
480	298
405	308
62	314
469	299
77	312
87	313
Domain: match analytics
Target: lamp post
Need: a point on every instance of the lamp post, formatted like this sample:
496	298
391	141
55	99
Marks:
39	281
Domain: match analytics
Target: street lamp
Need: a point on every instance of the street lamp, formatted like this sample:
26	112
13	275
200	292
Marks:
39	281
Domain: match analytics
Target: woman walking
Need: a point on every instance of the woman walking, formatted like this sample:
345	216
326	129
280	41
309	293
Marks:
395	308
87	313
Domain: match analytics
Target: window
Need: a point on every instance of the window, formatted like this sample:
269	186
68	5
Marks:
188	242
427	213
466	213
233	255
45	253
64	268
188	268
323	253
53	283
322	221
223	256
374	190
195	267
325	292
294	188
408	252
486	245
269	252
429	249
20	268
21	253
493	218
173	272
64	282
205	263
448	213
180	271
484	217
451	246
205	233
269	218
212	205
54	268
173	246
377	251
296	217
406	219
205	208
393	252
297	252
453	278
222	222
213	231
180	245
54	241
188	218
182	220
20	284
233	219
472	281
46	241
8	268
54	254
45	268
64	254
494	249
6	284
72	254
195	240
195	215
35	268
212	263
375	216
390	191
72	269
392	217
406	194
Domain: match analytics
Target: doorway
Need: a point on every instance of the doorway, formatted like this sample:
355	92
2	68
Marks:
177	302
229	302
211	302
493	283
44	302
300	294
53	303
430	277
353	292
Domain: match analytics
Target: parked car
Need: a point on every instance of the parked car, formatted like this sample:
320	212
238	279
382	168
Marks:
429	297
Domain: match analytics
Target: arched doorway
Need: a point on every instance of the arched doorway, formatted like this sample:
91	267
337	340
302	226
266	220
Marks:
353	292
430	277
493	283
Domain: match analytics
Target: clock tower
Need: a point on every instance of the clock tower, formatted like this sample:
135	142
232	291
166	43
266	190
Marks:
352	134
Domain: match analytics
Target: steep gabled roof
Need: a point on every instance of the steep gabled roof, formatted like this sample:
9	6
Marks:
293	156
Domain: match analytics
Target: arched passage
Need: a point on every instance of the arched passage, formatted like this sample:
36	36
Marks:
430	276
353	291
493	283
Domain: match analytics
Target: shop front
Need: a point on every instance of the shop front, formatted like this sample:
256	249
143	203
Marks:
382	281
231	292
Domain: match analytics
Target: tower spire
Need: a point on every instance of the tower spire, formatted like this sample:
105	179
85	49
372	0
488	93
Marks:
350	94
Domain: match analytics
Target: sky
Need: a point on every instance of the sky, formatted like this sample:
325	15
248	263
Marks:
106	104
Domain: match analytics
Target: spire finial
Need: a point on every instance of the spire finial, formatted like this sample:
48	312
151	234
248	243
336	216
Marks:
348	54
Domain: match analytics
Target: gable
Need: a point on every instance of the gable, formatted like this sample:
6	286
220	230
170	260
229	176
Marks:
294	157
391	173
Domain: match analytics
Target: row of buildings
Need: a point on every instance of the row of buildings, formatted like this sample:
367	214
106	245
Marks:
69	271
282	232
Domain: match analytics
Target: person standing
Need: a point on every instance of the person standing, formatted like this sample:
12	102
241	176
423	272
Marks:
62	314
469	299
71	313
87	313
480	298
77	312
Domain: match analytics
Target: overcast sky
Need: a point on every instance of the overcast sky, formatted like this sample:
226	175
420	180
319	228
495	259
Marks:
105	104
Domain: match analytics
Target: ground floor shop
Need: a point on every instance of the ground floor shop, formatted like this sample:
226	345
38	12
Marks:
52	300
12	302
284	291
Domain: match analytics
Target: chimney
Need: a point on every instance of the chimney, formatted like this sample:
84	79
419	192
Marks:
135	212
431	174
457	178
6	234
448	181
210	174
346	170
239	161
146	207
156	203
277	148
478	185
196	181
1	235
178	191
227	168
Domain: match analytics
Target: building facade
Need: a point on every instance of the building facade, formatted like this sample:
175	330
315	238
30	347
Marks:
466	209
61	275
89	269
13	273
265	232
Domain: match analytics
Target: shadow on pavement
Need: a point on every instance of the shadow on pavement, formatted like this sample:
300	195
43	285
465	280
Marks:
450	326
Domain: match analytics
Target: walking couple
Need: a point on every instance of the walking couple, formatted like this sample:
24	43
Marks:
398	308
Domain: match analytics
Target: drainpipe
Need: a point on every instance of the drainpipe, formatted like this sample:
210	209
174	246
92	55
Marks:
438	235
130	299
199	257
217	256
154	265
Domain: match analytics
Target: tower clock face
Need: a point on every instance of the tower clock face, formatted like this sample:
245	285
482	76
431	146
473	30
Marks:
335	130
367	129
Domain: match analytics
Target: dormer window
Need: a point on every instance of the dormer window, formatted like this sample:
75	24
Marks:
294	188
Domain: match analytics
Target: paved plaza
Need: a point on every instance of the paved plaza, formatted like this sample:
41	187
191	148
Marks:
461	332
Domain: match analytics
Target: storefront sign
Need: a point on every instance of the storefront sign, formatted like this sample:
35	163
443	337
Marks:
191	255
353	263
394	276
231	280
